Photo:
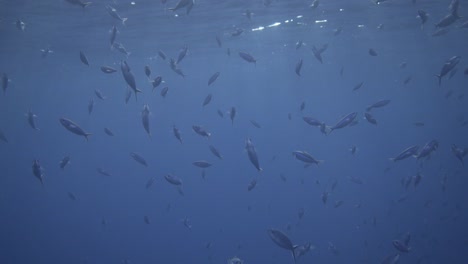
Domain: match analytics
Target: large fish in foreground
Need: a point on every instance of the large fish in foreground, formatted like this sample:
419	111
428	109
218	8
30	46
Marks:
282	241
73	127
252	154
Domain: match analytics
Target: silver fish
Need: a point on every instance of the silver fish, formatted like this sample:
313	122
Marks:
345	121
74	128
129	78
162	55
20	25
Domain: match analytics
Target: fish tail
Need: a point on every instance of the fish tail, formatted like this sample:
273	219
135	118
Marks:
86	135
320	162
328	130
124	20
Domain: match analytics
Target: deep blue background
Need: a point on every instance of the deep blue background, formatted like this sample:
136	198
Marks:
42	225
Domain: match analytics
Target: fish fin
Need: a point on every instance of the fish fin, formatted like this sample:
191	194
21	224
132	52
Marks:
124	20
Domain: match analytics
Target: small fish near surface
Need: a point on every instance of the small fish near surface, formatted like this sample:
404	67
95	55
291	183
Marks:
74	128
247	57
174	180
252	154
408	152
282	240
138	158
358	86
182	54
121	48
37	171
164	91
156	82
99	94
145	119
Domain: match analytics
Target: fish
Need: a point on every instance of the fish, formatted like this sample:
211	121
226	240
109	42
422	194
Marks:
5	81
177	134
298	67
282	240
345	121
145	119
71	196
202	164
74	128
162	55
358	86
215	152
423	16
99	94
84	59
213	78
79	3
459	153
107	69
108	132
147	71
172	179
188	4
201	131
252	154
113	35
255	123
121	48
372	52
251	185
218	41
150	182
306	157
31	120
232	114
220	113
20	25
427	149
247	57
400	246
64	162
90	106
448	66
447	20
103	172
156	82
175	68
138	158
38	171
45	52
113	13
370	118
299	44
378	104
207	99
314	4
182	54
408	152
147	220
128	77
164	91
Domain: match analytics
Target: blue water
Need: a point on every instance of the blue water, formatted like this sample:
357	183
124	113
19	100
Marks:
105	223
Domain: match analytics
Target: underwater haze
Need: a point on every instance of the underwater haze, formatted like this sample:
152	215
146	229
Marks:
235	131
